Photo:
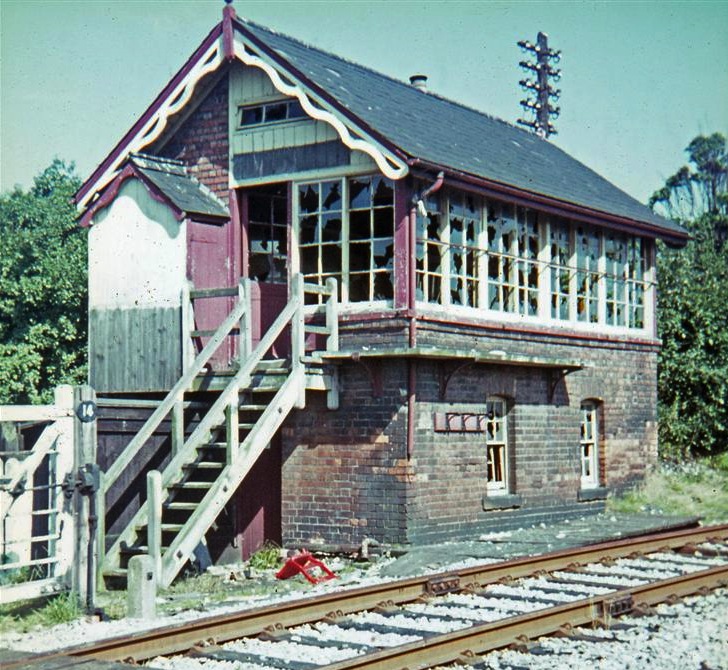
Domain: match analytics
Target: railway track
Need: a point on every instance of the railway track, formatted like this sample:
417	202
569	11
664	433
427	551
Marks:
432	620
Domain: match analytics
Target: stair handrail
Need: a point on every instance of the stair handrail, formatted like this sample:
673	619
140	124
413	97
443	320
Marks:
215	414
177	392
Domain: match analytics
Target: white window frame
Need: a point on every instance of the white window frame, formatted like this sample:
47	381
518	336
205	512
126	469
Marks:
344	274
589	444
496	446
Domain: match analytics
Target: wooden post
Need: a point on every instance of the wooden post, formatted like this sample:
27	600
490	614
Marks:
178	425
84	434
154	514
298	341
232	427
65	464
100	530
185	327
246	326
332	315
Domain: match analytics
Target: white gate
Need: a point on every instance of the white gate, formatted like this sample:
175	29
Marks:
37	536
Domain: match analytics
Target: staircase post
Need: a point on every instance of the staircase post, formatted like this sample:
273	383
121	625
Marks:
298	340
187	321
178	425
154	526
245	346
232	426
332	315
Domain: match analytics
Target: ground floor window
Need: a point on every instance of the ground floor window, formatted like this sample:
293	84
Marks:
496	436
589	449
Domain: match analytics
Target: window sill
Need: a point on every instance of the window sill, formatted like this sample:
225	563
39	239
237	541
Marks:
595	493
502	501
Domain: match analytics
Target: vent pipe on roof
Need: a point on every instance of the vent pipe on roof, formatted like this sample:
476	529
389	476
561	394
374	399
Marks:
419	81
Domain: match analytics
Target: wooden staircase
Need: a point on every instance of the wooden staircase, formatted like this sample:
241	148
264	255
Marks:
206	469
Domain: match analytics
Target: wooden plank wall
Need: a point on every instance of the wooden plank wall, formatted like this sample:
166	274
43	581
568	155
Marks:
134	350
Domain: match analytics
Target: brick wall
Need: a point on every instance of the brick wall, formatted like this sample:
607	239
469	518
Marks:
346	475
202	141
345	471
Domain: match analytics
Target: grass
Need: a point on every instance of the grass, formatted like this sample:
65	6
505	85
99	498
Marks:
694	488
51	611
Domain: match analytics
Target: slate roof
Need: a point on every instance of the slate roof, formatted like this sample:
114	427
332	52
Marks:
182	189
437	130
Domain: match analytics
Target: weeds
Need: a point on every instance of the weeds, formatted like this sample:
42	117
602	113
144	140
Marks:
266	558
694	488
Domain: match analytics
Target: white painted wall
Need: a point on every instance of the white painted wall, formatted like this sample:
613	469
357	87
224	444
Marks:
137	252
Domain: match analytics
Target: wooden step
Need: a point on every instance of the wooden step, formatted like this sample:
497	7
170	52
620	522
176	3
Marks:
245	407
318	330
191	485
180	506
204	465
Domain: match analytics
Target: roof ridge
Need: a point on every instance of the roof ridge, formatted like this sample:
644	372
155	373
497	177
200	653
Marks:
399	82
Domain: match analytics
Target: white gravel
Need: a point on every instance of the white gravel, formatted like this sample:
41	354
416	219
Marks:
691	635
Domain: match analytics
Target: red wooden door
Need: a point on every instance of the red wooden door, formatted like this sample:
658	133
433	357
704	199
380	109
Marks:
259	502
265	219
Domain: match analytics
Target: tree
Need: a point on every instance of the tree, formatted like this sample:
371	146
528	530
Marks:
43	295
693	315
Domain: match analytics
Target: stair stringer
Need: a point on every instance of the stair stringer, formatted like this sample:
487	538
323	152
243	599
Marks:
231	477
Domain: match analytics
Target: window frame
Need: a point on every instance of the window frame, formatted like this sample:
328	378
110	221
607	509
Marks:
265	106
343	275
589	444
502	462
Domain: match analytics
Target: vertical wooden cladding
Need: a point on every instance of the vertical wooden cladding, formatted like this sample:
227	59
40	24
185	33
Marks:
136	272
134	350
279	148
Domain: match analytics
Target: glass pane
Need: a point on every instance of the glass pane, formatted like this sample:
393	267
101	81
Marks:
330	228
359	193
359	225
295	111
308	198
383	192
383	222
383	289
309	260
359	256
358	287
383	254
331	258
331	195
251	116
307	231
275	112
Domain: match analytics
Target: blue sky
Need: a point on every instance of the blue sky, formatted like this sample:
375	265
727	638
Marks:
640	79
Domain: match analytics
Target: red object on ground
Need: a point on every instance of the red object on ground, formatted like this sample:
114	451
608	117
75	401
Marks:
300	564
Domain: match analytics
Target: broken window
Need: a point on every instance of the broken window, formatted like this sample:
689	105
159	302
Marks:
528	249
430	251
465	213
636	264
502	257
587	274
371	239
268	233
496	438
320	231
560	272
616	279
589	441
361	255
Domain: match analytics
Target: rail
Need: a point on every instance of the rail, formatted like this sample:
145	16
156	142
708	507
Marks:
443	648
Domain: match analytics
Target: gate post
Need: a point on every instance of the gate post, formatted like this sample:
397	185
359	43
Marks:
84	453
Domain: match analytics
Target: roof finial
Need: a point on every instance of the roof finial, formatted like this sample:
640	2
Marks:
228	16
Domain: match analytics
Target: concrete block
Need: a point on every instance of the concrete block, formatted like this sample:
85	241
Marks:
141	588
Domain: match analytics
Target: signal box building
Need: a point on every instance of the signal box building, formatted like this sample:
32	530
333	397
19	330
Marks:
358	310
